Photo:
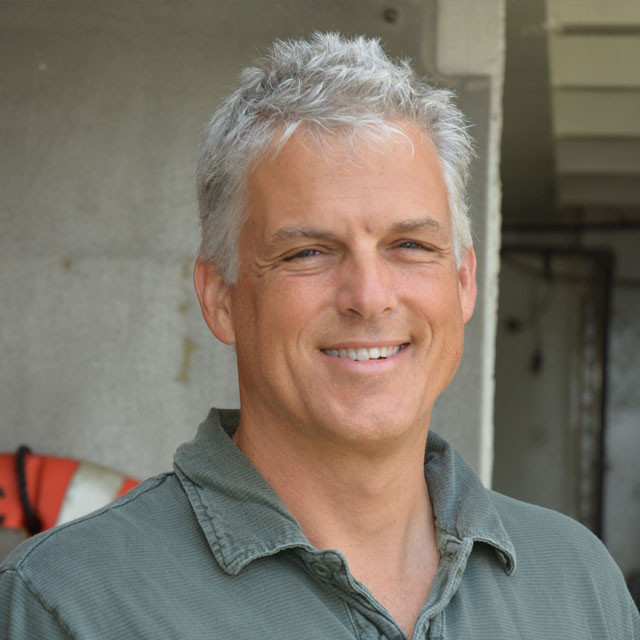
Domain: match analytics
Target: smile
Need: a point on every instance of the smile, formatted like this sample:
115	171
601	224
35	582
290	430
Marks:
364	353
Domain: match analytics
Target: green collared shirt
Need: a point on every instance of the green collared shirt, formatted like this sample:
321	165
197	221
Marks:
210	551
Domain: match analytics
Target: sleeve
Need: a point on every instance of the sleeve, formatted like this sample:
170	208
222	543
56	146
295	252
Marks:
618	607
22	614
635	618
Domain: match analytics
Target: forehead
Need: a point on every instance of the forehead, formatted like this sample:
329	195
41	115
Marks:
346	179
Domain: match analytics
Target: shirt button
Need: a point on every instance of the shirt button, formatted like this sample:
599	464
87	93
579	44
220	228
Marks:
321	571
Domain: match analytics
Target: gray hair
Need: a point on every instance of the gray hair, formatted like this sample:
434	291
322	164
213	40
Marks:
325	85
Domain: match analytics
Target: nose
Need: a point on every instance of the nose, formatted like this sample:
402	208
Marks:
366	288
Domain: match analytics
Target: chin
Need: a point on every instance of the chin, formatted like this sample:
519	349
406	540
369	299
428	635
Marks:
368	424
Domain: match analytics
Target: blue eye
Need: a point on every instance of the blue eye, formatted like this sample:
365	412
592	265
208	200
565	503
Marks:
410	245
305	253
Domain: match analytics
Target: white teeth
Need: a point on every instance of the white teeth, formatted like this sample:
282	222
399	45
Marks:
362	353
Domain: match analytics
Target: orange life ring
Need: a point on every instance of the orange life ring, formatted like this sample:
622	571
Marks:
40	492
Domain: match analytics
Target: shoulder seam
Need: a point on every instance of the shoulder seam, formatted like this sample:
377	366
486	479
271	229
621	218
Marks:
159	479
34	594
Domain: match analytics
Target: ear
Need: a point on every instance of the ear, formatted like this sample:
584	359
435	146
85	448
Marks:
467	284
215	302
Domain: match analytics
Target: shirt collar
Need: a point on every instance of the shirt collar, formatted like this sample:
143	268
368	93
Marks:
462	504
240	514
243	518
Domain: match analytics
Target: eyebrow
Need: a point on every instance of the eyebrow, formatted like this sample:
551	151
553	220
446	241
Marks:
289	233
404	226
413	224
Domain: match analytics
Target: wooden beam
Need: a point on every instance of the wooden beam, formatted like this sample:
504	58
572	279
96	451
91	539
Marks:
598	191
595	60
604	156
599	13
591	113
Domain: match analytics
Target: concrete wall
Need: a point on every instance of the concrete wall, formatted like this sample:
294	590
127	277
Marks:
540	423
622	441
105	355
548	365
471	40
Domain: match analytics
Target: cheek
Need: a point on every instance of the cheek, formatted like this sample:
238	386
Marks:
437	305
431	296
293	301
274	319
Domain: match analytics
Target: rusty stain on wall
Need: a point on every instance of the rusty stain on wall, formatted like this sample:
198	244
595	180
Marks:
187	267
66	264
188	347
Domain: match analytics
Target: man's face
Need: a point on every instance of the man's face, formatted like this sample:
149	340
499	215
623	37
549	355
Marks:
344	259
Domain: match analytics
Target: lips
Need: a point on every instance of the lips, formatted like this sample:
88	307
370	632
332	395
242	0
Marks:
364	353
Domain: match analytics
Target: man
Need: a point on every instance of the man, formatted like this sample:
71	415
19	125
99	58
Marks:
336	256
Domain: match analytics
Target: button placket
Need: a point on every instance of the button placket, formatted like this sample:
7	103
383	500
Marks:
321	570
323	565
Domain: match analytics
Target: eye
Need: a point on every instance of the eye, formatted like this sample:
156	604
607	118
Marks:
305	253
409	244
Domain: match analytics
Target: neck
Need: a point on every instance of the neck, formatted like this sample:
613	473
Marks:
370	502
334	485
